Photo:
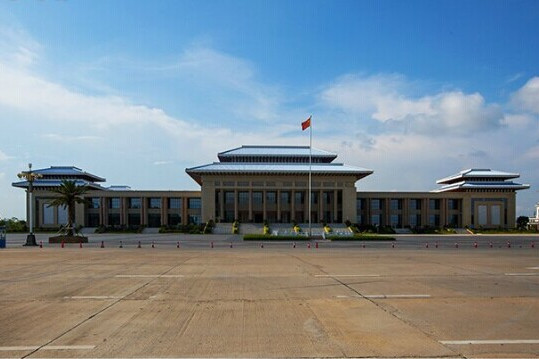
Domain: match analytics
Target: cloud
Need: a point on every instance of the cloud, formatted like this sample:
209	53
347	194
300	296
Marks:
384	98
527	97
3	156
17	47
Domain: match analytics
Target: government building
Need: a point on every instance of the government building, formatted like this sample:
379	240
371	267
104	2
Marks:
254	184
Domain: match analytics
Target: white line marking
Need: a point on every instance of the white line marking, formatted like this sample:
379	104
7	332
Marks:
49	347
387	296
536	268
347	275
522	274
487	342
149	276
93	297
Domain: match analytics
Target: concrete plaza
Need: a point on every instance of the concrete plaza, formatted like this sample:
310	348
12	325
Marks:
276	301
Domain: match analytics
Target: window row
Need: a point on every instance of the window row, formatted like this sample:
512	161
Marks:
152	202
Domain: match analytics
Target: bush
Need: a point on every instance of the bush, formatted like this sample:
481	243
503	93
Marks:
14	225
265	237
361	237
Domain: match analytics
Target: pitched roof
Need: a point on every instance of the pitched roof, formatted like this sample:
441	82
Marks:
475	173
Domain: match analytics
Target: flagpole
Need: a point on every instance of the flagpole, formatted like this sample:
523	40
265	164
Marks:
310	172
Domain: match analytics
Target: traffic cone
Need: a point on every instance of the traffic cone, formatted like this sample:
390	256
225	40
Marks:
316	245
139	246
102	244
62	245
80	244
121	244
41	244
309	245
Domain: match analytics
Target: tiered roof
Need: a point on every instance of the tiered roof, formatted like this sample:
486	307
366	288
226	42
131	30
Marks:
480	179
54	175
275	160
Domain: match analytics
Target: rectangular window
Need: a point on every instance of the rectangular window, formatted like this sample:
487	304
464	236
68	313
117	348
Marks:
415	204
154	220
495	215
299	198
114	203
114	219
196	203
243	198
154	203
434	220
434	204
375	204
395	220
93	220
135	202
174	219
271	198
375	219
194	219
48	214
62	215
229	198
257	198
94	202
174	203
453	204
133	219
396	204
243	183
482	215
285	198
359	204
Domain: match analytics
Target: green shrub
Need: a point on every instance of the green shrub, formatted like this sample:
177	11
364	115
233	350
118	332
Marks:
265	237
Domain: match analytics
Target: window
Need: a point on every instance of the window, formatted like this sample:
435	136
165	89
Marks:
271	198
193	219
257	198
62	215
243	198
285	198
174	219
114	203
114	219
395	220
48	214
359	204
375	205
94	202
174	203
299	198
495	215
415	204
453	204
229	197
375	219
133	219
154	220
434	204
135	202
154	203
196	203
396	204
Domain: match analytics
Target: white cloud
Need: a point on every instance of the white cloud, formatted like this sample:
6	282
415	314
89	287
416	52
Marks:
527	97
383	98
17	47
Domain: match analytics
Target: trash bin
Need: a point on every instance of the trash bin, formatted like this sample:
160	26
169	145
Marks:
2	237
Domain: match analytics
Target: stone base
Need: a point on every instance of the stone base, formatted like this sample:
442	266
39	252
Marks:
68	239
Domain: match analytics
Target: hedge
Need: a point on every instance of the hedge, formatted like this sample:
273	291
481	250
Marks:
263	237
361	237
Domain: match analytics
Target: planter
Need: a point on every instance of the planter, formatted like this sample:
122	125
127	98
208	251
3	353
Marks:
68	239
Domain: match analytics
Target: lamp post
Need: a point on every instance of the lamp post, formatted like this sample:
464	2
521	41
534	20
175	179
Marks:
30	176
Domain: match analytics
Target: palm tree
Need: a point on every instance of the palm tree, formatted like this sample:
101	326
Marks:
70	194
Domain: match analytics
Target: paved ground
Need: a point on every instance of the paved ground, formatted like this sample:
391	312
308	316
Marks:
340	300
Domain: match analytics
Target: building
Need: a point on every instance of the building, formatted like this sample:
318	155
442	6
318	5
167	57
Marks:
533	222
271	183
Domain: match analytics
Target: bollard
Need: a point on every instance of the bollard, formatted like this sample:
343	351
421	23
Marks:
392	245
153	244
508	244
363	246
294	246
178	245
139	246
102	244
475	244
427	245
490	244
80	244
121	244
211	245
62	245
436	245
316	244
456	245
40	244
230	244
309	245
533	245
261	245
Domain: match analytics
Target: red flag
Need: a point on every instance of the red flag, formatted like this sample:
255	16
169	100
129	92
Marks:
306	124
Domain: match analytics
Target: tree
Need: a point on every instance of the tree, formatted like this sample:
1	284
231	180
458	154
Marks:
522	222
70	194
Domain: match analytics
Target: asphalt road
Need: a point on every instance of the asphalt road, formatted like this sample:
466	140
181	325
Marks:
339	300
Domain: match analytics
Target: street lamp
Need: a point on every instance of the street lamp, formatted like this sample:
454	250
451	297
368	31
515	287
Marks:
30	176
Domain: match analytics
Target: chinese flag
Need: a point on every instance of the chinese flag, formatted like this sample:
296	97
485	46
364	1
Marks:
306	124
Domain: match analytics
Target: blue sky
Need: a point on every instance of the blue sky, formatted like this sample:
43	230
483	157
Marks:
136	91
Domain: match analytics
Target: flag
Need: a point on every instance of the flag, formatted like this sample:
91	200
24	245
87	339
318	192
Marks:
306	124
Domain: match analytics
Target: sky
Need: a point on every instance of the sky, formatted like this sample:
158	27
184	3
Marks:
137	91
